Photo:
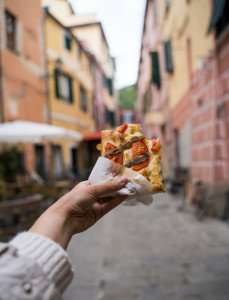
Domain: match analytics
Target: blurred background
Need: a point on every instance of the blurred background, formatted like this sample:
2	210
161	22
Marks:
69	69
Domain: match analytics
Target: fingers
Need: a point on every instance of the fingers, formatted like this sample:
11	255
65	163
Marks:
103	189
106	207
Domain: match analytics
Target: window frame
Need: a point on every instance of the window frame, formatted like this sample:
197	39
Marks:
155	69
67	40
13	44
59	95
83	99
168	57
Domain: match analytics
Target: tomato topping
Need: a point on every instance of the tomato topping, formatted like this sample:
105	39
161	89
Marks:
122	128
109	147
117	158
139	148
156	146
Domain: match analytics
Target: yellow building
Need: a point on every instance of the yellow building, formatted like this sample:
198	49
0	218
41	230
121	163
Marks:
89	30
185	23
70	87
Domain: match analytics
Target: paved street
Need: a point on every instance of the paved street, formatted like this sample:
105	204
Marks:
155	252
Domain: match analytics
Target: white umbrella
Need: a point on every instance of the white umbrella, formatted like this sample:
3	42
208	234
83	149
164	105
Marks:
31	132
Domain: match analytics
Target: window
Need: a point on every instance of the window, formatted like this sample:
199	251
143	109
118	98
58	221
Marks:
220	16
67	40
40	160
63	86
11	31
57	162
110	85
83	99
110	117
156	76
168	56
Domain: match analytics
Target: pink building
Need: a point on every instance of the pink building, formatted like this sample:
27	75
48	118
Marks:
152	84
191	116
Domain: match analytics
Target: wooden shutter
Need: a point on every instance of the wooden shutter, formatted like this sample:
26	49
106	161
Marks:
56	83
71	95
110	85
156	76
168	56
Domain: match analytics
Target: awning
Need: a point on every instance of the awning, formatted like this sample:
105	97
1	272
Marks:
30	132
92	136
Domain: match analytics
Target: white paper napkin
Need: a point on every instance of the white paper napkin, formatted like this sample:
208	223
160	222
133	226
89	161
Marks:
138	189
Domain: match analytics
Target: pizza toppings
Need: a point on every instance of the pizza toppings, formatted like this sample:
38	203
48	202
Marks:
140	148
127	146
156	146
113	153
122	128
116	150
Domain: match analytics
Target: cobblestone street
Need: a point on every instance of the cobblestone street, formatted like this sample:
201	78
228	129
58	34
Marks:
154	252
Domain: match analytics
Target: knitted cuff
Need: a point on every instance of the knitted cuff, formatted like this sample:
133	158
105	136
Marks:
49	255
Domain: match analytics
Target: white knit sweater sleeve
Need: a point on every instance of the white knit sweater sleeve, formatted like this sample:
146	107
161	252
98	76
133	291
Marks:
52	259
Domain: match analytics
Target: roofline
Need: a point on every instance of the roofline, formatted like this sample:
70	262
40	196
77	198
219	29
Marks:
71	7
88	53
47	12
92	24
143	31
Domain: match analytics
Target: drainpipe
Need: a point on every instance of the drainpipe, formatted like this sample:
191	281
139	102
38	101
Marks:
2	115
46	65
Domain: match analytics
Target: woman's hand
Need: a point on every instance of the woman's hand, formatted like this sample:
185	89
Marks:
78	210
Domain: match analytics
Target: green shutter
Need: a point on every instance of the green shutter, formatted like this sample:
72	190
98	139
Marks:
217	12
71	95
168	56
56	83
156	76
110	85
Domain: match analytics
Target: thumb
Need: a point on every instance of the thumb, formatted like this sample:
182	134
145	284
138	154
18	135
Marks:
103	189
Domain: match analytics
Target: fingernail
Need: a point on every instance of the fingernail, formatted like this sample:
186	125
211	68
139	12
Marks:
123	181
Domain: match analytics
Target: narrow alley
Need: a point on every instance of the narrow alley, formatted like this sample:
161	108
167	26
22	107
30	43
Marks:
155	252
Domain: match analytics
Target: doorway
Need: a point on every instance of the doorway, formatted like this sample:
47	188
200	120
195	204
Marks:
40	160
74	161
57	161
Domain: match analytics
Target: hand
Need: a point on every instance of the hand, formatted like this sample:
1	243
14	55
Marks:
78	210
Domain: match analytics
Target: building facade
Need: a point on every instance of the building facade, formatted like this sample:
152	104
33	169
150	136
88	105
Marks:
94	67
90	31
48	75
182	89
22	71
70	88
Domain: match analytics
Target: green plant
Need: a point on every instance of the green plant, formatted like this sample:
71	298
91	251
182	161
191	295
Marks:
11	163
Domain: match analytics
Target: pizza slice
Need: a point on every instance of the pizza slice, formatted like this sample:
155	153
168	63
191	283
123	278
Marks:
127	146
